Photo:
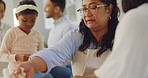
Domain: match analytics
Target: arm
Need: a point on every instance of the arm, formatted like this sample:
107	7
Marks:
32	66
38	64
61	52
5	54
56	55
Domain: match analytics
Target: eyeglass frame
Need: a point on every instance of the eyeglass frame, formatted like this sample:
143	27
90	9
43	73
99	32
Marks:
81	10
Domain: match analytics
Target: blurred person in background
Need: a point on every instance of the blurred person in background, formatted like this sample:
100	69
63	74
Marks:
3	26
62	24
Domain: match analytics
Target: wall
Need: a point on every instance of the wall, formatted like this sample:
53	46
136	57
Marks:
120	7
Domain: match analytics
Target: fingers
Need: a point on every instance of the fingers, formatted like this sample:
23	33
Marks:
27	70
16	72
26	57
22	57
14	76
22	74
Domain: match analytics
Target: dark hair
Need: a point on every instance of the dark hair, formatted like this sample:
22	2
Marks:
60	3
27	11
107	40
130	4
1	1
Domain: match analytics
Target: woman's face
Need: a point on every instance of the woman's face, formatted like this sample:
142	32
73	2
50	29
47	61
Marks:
26	21
97	16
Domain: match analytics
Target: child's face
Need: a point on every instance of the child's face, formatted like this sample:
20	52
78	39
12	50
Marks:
27	21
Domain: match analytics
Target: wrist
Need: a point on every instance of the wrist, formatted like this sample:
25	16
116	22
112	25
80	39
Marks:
38	64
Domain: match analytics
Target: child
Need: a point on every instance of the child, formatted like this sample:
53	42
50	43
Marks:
21	41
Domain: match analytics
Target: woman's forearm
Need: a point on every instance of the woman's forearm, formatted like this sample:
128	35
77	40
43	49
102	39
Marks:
38	64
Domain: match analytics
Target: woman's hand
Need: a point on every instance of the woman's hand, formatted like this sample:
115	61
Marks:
36	64
22	57
28	70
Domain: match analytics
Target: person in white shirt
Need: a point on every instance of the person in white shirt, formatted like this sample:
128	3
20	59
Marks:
62	24
21	41
129	58
87	47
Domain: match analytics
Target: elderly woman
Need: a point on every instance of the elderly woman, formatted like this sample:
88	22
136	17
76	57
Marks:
91	43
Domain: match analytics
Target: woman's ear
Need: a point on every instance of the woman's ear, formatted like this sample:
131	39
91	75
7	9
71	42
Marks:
109	9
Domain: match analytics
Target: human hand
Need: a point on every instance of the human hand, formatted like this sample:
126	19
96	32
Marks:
22	57
22	74
27	69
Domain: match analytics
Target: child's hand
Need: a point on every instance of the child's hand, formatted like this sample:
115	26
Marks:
22	57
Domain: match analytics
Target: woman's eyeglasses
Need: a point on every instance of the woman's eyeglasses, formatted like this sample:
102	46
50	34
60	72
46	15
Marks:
92	9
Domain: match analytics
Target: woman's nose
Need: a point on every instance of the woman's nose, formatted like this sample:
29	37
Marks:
87	13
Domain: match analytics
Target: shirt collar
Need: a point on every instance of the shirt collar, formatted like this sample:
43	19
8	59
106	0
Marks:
59	20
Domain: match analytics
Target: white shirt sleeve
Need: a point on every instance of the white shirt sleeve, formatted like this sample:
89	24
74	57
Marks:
129	58
5	53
